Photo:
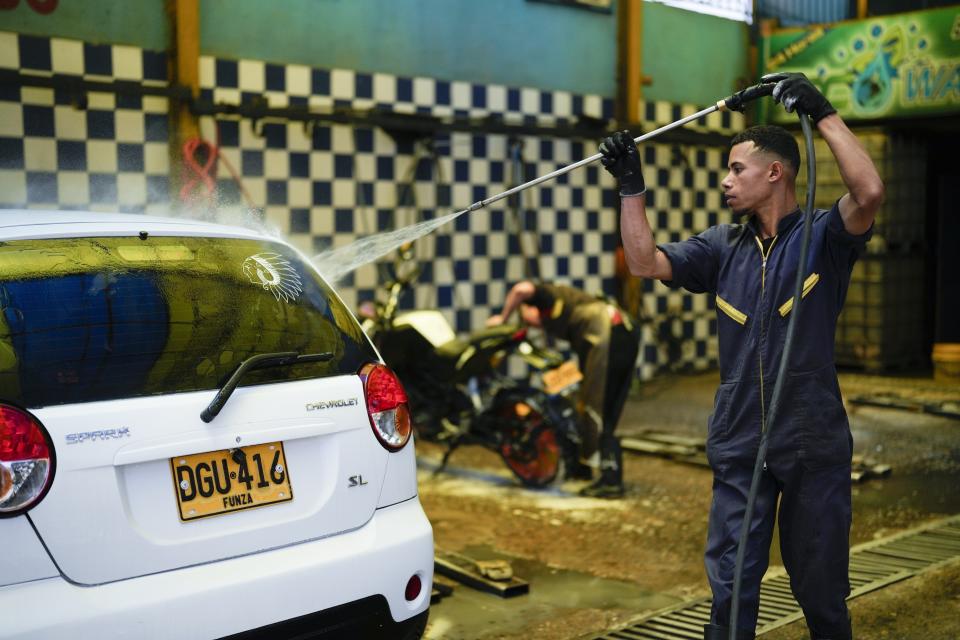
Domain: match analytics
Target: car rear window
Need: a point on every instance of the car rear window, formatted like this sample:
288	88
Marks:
86	319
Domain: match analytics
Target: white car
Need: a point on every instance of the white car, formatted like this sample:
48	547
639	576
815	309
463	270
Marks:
196	441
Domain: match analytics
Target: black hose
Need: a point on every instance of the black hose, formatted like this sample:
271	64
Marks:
781	374
738	101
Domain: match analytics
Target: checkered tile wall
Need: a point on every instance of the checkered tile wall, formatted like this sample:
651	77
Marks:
100	151
324	186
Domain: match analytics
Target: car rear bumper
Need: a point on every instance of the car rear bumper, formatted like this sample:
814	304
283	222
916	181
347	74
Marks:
231	596
367	618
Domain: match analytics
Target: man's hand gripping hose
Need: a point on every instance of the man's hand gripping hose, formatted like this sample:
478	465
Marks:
738	101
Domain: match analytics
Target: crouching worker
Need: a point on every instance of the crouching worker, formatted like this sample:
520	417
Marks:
606	341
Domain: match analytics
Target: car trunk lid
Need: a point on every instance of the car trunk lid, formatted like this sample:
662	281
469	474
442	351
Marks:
130	472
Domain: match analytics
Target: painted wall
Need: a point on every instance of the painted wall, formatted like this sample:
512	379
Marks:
510	42
142	23
692	57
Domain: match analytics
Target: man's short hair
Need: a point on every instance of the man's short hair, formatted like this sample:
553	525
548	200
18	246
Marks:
774	139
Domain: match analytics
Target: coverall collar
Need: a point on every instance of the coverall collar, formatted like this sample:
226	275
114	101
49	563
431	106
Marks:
786	223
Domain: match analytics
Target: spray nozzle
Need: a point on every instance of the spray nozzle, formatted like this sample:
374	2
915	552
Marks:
405	251
737	101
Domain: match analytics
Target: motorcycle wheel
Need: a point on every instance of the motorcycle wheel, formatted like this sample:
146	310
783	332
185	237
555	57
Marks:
529	446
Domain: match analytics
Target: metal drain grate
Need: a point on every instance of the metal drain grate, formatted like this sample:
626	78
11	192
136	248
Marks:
872	565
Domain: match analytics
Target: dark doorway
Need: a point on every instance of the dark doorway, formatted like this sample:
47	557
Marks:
943	275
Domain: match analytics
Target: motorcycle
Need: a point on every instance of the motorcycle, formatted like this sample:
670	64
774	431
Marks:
458	395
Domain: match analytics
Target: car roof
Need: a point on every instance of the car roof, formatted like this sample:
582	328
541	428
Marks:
30	223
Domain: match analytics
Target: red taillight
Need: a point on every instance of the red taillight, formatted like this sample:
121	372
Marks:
386	406
26	461
519	335
413	588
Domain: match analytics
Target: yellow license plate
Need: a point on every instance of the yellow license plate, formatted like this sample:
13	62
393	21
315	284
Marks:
562	377
216	482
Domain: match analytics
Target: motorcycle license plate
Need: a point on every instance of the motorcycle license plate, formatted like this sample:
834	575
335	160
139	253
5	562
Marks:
561	378
218	482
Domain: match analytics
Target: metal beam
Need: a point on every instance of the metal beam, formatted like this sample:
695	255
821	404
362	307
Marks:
183	17
185	54
630	60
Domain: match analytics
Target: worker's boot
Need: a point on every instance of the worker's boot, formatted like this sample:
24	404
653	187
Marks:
577	470
716	632
610	483
573	467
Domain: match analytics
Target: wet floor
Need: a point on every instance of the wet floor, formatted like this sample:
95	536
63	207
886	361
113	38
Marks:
931	492
594	565
472	615
469	614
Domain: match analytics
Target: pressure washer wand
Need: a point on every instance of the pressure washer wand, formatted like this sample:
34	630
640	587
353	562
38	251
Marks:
735	102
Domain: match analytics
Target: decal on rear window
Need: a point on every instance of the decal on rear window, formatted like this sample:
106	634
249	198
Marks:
275	274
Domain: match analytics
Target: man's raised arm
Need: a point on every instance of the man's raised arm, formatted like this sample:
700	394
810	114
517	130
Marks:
858	207
622	160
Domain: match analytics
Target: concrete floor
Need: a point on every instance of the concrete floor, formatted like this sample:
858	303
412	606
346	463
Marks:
595	564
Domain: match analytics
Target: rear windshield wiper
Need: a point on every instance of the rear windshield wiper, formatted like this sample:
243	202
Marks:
258	361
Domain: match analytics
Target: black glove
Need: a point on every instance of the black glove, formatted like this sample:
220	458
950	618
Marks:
622	160
794	91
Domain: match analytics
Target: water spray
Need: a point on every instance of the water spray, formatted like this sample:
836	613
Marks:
336	263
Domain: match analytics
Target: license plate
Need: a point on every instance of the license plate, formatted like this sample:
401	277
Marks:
559	379
217	482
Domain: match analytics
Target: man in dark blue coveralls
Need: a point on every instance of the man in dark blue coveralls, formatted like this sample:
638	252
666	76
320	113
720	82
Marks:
750	270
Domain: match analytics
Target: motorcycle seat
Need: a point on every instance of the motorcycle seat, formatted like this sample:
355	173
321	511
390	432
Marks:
483	339
470	355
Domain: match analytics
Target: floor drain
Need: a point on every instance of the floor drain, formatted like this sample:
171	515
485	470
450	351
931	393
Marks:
872	565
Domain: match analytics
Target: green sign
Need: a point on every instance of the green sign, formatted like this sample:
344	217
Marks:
898	66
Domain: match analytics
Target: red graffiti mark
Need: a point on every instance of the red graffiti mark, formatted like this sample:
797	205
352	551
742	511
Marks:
201	185
43	6
40	6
